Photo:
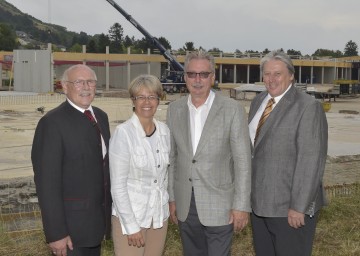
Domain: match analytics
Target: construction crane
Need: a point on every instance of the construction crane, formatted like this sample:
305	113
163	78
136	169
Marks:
177	70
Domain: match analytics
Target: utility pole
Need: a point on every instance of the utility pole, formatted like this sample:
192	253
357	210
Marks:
49	11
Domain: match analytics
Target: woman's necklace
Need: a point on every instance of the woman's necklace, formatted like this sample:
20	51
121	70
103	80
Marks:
151	134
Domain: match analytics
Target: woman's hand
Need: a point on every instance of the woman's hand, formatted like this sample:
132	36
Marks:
136	240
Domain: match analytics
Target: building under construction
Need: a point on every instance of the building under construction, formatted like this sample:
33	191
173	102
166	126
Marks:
38	70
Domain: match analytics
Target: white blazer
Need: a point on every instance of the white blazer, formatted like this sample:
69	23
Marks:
139	177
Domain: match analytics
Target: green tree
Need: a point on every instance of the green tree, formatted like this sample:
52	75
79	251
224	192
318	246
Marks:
351	49
266	51
189	46
293	52
83	38
7	38
128	41
327	53
103	41
116	33
76	48
165	42
30	46
91	47
215	49
142	45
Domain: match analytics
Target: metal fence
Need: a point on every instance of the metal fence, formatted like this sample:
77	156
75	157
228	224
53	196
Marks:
43	99
31	99
342	190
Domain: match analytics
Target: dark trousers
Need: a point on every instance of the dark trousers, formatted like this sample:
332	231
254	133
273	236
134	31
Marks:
85	251
274	237
200	240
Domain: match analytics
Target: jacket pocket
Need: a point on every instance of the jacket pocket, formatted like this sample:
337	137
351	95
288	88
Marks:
140	158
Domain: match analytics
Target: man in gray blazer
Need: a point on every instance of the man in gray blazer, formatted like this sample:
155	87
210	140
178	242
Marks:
209	173
288	161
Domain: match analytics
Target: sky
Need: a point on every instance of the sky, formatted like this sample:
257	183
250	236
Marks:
229	25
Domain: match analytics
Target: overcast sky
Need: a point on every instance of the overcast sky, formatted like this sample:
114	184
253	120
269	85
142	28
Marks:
305	25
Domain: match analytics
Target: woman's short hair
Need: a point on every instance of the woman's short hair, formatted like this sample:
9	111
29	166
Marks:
152	83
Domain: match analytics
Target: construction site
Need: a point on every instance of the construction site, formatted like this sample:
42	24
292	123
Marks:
29	92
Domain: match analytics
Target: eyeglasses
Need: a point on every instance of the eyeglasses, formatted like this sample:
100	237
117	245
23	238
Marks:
80	83
142	98
202	75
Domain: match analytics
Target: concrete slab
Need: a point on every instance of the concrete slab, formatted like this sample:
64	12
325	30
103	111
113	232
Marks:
18	122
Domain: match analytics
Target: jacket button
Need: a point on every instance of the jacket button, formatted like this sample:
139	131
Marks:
193	161
155	181
159	166
190	179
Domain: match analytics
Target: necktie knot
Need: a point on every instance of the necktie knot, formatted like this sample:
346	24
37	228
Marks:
271	102
89	115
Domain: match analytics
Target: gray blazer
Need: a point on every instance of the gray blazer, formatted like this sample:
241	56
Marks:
220	171
288	158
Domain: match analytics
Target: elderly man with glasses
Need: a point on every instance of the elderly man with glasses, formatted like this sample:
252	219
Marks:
209	173
70	162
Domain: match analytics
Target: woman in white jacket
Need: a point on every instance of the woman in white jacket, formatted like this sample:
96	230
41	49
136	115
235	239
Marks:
139	158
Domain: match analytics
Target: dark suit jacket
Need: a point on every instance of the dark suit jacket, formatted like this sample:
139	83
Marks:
289	156
72	180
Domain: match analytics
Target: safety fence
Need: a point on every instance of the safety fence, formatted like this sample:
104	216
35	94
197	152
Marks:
342	190
26	224
46	99
31	99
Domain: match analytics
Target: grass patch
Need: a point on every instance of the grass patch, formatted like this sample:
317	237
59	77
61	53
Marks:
337	233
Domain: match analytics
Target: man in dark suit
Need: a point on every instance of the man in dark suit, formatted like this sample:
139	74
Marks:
71	171
209	173
288	161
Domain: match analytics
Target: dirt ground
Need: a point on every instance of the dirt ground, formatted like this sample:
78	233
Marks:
18	122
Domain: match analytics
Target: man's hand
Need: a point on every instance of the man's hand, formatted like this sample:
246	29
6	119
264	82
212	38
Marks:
296	219
136	239
59	247
172	209
239	219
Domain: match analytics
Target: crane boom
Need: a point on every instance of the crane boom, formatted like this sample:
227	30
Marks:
176	66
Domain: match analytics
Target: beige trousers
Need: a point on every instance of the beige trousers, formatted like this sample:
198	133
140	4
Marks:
154	241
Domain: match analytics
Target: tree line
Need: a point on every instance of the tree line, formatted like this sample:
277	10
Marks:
118	43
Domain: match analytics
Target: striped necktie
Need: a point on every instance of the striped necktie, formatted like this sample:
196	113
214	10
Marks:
264	116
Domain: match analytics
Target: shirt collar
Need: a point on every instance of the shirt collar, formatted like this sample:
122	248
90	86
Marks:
209	99
278	98
82	110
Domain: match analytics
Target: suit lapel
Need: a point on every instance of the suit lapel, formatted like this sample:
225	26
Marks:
279	110
209	123
184	127
256	105
102	126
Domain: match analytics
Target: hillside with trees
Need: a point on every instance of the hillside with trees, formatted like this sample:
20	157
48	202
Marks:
22	31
